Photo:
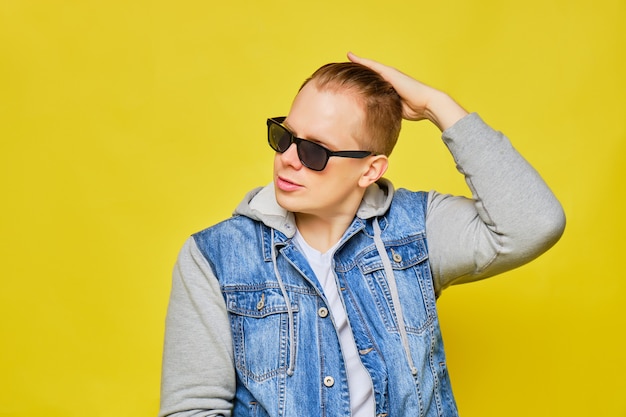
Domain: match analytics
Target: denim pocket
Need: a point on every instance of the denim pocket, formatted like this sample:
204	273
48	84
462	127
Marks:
256	410
260	327
411	272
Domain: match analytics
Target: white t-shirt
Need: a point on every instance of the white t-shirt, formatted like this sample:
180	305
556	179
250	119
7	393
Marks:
359	380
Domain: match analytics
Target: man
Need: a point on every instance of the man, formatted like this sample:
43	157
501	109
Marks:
317	298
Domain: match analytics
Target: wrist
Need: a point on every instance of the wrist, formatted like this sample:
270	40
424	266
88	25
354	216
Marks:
443	111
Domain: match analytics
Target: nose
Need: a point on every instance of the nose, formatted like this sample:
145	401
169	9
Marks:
290	157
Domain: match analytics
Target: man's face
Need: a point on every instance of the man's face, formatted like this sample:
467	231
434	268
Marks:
335	121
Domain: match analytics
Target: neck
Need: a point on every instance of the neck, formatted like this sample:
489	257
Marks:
322	233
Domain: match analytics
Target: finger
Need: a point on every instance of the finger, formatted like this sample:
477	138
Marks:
397	78
376	66
353	57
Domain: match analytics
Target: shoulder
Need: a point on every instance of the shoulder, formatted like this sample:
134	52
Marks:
409	203
232	234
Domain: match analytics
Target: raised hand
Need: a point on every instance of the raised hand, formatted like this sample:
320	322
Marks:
419	101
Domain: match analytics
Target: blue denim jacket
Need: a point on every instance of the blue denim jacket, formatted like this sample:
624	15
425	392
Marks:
286	349
274	326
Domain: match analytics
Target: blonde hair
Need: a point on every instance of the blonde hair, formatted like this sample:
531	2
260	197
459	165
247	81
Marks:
381	102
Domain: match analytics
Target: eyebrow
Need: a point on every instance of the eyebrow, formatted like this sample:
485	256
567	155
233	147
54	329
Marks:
314	140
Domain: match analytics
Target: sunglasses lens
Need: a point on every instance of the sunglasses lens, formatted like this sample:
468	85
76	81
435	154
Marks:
279	138
312	155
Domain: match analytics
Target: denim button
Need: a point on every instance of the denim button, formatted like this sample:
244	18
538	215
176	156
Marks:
329	381
396	256
322	312
261	303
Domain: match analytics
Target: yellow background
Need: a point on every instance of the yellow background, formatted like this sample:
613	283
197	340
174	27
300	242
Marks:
125	126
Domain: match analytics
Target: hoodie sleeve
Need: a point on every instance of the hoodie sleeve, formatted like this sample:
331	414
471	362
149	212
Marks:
198	368
512	217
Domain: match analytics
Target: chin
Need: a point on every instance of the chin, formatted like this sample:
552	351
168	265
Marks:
289	204
295	204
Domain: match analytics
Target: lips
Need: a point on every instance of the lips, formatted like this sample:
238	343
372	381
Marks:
286	185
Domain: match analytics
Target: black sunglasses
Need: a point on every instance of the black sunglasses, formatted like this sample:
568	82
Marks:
312	155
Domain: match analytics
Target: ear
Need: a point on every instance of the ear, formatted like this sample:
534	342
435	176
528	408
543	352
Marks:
375	169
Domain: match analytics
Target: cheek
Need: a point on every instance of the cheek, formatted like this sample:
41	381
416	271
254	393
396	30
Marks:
277	163
346	172
336	183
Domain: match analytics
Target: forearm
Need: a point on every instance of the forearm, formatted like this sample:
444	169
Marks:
198	373
511	218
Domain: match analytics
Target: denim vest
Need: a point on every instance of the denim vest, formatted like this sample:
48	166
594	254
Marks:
287	355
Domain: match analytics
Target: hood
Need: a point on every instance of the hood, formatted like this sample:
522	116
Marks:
260	204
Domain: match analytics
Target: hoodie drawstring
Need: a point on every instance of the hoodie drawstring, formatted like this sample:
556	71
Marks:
393	289
395	298
292	339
